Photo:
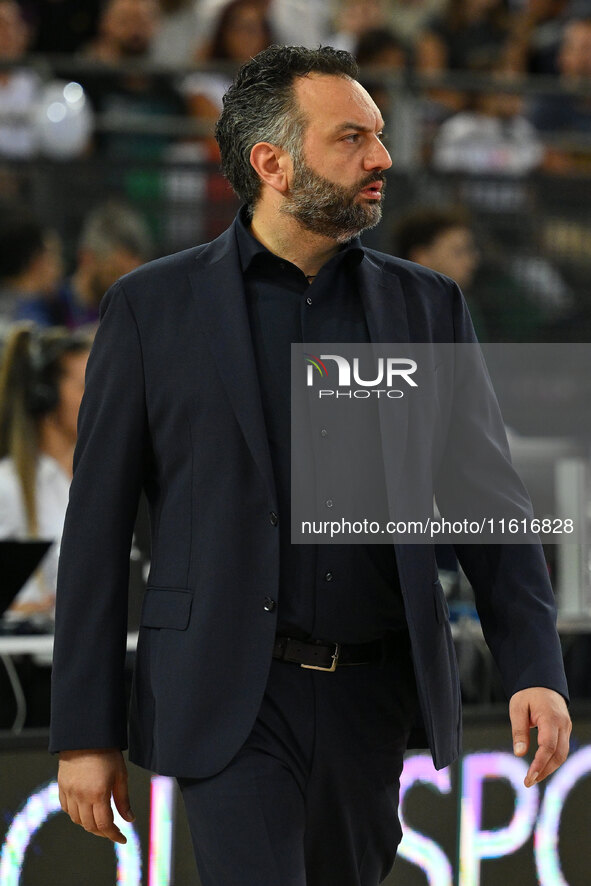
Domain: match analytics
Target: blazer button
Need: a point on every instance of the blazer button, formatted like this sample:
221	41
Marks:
269	604
273	518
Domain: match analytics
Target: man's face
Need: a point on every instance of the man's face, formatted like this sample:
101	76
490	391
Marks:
575	52
13	31
337	177
454	253
130	25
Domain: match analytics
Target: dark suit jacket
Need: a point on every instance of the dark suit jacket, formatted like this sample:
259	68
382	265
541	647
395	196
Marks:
172	405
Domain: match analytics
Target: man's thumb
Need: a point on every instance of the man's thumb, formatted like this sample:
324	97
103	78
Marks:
121	799
520	729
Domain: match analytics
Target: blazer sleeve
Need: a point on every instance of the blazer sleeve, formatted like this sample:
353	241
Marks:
513	592
88	696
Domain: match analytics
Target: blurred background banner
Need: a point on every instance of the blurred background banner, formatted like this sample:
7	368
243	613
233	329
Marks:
471	824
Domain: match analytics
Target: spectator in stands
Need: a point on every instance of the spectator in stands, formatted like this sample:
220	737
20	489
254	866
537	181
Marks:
469	36
490	136
354	17
440	238
294	22
19	86
61	25
513	294
30	268
382	51
242	30
381	48
568	113
127	29
41	385
535	36
410	17
115	240
178	37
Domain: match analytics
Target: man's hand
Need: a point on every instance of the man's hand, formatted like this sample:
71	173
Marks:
86	781
547	710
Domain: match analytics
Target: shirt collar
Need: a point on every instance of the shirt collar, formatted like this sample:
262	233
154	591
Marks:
249	247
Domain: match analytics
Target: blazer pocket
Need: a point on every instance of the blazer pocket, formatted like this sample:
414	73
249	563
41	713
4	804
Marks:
441	607
166	608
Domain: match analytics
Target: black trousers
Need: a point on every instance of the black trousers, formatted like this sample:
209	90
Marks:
311	799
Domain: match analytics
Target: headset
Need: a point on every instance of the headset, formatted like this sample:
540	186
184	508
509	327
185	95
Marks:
45	351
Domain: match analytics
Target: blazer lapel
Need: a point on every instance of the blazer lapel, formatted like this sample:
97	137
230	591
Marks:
384	302
220	297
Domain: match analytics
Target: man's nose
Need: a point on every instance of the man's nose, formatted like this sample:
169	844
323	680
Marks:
378	157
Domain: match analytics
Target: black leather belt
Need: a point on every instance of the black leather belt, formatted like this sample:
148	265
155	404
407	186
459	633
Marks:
322	656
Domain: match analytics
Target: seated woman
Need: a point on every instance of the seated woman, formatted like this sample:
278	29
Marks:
41	385
241	31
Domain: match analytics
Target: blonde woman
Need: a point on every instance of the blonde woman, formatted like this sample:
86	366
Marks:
41	385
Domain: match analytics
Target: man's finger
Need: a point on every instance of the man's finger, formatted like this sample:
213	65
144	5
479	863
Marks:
87	819
106	827
121	797
550	755
547	744
539	764
520	726
72	810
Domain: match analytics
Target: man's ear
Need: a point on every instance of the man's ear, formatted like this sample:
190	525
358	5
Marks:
272	165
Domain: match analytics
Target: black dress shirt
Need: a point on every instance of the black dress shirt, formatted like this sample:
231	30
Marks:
346	593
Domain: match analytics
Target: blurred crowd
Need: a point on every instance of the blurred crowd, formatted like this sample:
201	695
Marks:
107	159
486	88
484	124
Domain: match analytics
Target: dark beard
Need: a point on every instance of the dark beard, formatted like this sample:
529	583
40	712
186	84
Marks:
329	209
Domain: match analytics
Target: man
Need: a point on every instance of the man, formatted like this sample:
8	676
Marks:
114	241
126	30
440	239
126	34
566	112
289	774
30	268
20	86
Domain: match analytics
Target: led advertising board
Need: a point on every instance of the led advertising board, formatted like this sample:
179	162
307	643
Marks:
472	824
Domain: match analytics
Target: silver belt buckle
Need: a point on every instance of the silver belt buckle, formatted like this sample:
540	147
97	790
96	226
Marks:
333	667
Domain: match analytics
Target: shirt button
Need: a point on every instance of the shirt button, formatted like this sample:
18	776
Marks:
273	518
329	502
269	604
308	301
324	432
328	576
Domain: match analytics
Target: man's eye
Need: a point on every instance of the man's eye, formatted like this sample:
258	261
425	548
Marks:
383	137
352	138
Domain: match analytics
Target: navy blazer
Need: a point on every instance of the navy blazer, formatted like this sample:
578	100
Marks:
172	405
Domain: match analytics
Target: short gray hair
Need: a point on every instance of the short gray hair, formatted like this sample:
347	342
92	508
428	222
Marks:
114	225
